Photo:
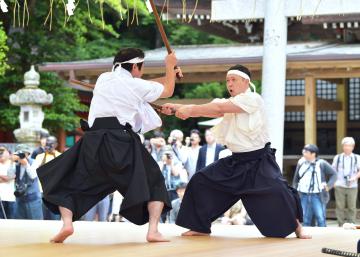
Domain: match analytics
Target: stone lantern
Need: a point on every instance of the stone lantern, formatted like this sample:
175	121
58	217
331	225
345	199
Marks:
30	99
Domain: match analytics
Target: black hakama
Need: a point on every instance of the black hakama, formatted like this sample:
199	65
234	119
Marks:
255	178
108	157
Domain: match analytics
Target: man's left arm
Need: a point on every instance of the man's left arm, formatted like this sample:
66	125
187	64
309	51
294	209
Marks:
212	110
357	175
331	173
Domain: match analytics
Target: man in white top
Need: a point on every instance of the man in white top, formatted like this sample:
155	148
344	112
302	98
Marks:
193	155
313	179
7	186
347	166
209	152
110	156
250	174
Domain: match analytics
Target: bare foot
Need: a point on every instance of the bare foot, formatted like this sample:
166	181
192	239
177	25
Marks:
64	233
300	233
194	233
156	238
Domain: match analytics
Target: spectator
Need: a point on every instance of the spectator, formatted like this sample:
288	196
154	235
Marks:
176	141
347	166
49	154
115	209
157	145
193	152
236	215
7	186
27	191
310	180
175	204
41	148
100	210
209	152
171	172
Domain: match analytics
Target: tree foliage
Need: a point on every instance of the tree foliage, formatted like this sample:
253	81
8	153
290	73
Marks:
110	25
3	51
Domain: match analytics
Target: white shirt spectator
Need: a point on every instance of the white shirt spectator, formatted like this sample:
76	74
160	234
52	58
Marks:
119	94
7	188
310	182
346	165
246	131
193	155
210	153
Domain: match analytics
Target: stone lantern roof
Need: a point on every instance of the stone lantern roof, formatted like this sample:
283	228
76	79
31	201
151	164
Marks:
31	94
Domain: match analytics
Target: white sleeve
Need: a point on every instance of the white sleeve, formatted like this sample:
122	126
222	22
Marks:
150	91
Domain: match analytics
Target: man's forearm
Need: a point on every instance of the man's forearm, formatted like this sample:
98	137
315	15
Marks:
206	110
169	83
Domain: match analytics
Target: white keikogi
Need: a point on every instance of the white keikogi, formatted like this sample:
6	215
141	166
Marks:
119	94
246	131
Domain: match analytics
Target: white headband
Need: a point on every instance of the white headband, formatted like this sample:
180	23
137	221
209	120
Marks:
133	61
243	75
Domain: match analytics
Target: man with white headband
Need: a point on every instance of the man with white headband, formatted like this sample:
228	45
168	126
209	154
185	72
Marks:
347	166
110	155
250	173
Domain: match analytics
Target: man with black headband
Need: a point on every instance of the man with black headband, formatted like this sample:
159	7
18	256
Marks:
110	156
250	174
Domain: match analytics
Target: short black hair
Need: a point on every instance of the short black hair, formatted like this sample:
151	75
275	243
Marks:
241	68
126	54
195	131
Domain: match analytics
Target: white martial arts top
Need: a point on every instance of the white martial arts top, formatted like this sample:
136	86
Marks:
119	94
246	131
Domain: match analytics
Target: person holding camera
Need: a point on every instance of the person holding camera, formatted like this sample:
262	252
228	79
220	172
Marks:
49	154
171	171
176	141
157	145
27	191
310	181
347	166
7	197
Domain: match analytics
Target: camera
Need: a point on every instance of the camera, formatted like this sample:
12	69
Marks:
20	189
168	156
347	180
172	140
21	154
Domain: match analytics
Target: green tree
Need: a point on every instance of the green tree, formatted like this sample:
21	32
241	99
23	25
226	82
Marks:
82	36
3	51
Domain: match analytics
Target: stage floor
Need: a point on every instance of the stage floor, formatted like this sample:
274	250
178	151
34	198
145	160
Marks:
30	238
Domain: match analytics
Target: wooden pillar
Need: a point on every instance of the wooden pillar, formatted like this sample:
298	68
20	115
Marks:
310	110
342	116
61	140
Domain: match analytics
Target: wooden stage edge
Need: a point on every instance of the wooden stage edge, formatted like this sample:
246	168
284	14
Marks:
30	238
